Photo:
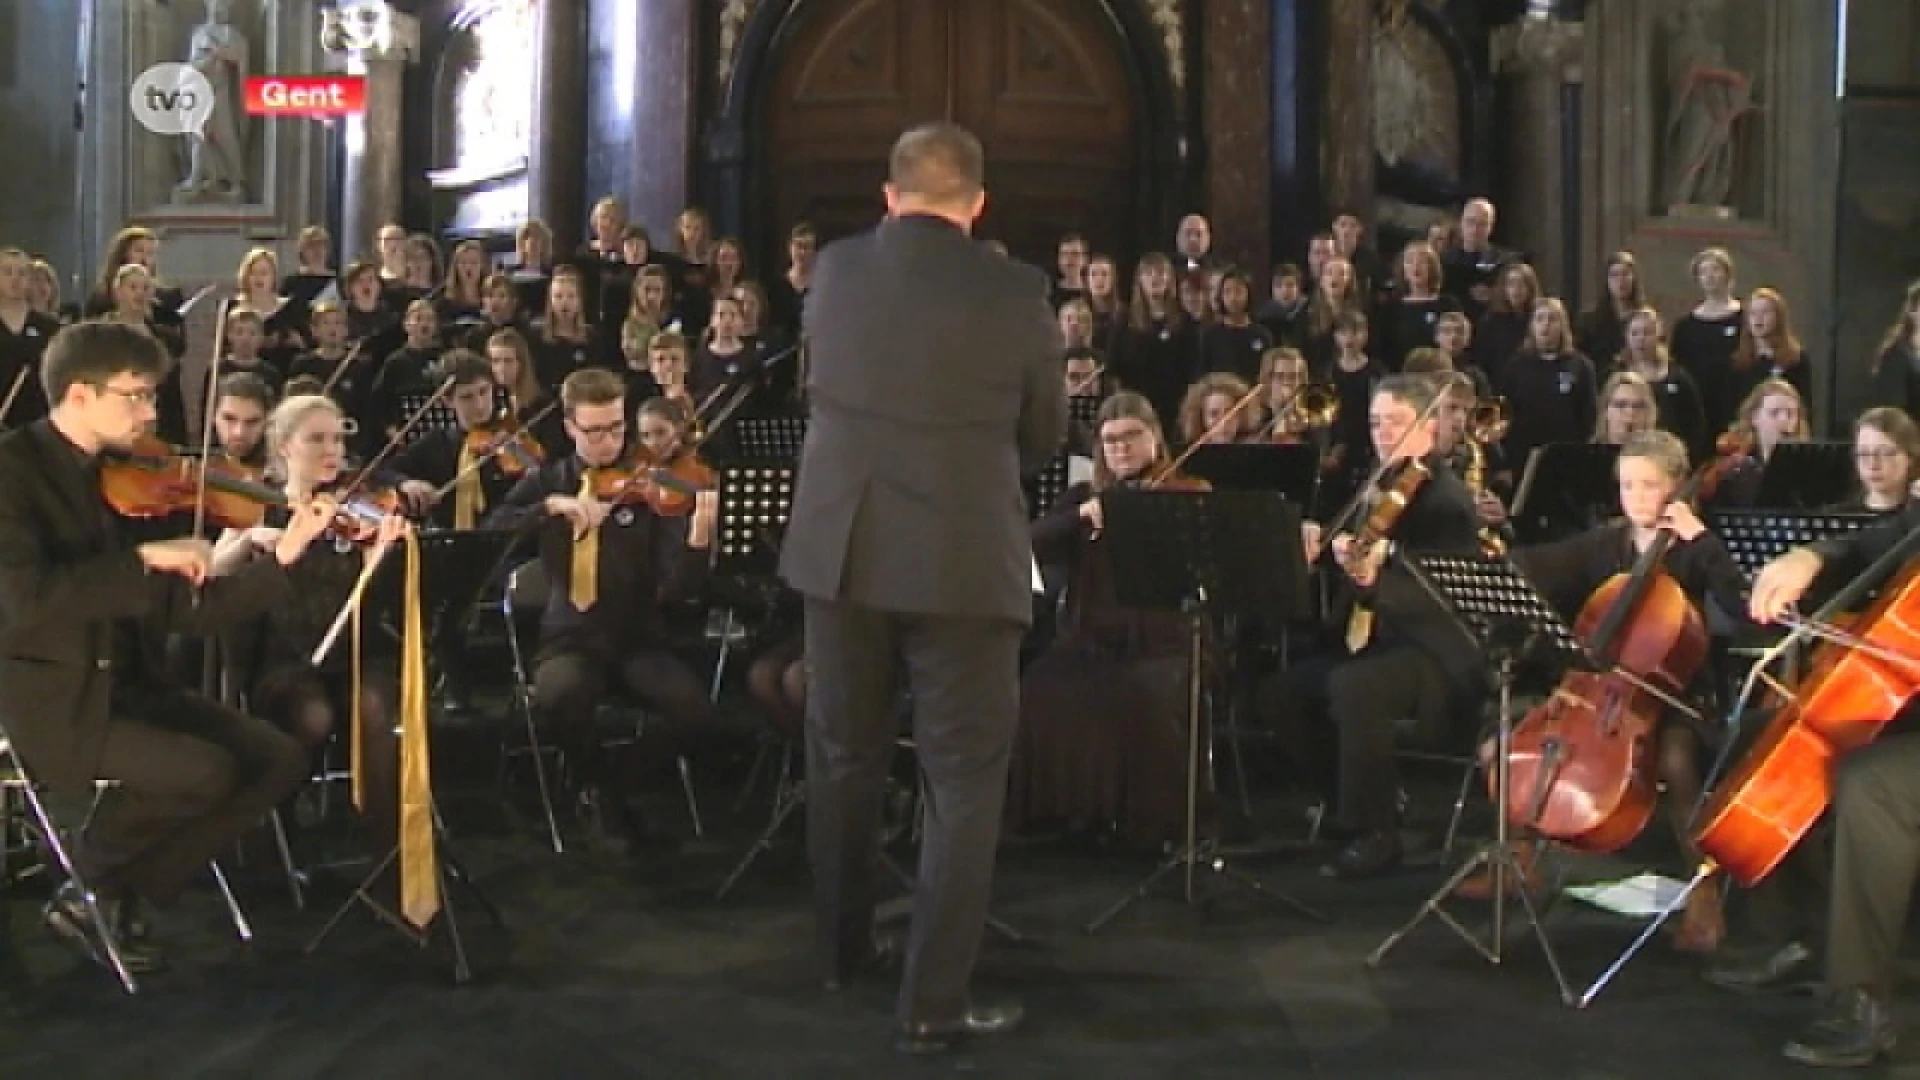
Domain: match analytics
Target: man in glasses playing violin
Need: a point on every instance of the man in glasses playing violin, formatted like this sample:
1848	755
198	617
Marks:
84	689
612	565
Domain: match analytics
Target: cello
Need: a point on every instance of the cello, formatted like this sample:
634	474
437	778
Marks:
1581	764
1857	683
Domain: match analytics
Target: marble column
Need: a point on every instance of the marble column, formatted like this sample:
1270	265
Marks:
1540	59
556	180
1237	94
376	43
1347	150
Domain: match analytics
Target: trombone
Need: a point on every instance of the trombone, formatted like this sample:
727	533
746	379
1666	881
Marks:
1313	407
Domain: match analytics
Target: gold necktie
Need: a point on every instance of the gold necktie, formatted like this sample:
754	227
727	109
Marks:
583	582
419	857
1359	627
469	497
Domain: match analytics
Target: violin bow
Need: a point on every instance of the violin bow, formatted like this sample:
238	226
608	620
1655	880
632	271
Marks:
207	403
474	466
13	392
340	369
398	436
1214	429
1083	381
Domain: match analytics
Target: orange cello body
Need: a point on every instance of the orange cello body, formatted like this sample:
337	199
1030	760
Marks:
1581	765
1785	782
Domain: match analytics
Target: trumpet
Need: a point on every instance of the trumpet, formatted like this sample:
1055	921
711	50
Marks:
1313	407
1487	424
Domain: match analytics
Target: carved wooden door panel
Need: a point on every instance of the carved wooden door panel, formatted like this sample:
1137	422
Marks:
1043	83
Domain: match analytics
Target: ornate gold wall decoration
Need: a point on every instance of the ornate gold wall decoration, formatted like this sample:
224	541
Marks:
733	22
1169	18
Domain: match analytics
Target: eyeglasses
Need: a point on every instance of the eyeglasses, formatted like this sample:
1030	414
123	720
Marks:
1878	453
145	395
1123	438
1629	406
616	430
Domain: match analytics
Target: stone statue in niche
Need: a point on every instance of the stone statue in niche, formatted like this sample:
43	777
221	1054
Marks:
1707	97
217	154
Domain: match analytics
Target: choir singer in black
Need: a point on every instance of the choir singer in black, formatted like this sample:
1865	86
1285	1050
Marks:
934	382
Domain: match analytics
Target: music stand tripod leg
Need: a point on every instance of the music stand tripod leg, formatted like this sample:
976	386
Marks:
1700	875
1194	856
1498	857
788	798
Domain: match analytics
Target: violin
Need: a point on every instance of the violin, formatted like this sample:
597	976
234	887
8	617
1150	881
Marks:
153	480
669	488
509	443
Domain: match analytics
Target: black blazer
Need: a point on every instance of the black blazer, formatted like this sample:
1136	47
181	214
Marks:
934	382
65	580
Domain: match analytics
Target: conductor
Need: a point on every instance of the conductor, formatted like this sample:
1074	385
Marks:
909	545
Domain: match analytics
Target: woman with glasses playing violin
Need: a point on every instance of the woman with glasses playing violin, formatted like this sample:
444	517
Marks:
613	563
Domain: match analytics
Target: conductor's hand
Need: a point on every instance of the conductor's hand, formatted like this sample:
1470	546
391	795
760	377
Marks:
1090	513
585	514
1781	584
706	512
191	557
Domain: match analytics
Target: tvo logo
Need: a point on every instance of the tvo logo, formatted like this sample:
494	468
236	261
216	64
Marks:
172	99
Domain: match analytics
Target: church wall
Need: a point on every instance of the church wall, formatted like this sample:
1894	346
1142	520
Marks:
38	85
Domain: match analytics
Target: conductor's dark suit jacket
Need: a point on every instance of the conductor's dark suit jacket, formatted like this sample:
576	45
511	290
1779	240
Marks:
935	381
65	579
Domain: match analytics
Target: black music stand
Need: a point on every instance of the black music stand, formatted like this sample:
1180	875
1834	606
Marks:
1084	410
755	504
1496	608
455	569
1807	475
1565	488
1757	537
1290	469
1044	488
439	417
1203	554
769	438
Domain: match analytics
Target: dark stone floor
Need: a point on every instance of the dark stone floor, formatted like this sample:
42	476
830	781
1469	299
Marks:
634	970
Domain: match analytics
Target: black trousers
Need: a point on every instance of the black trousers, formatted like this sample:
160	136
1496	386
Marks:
1385	686
192	777
569	682
1876	829
964	676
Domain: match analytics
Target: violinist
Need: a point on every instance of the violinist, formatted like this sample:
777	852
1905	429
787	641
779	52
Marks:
1388	669
1772	414
1652	468
612	567
306	440
83	614
1875	819
1103	710
457	474
24	334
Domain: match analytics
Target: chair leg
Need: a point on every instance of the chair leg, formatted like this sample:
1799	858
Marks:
539	756
693	801
50	835
296	889
242	928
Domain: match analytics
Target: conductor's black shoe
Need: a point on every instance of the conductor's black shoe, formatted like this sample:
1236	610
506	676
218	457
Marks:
1368	855
883	959
1855	1030
1787	968
925	1040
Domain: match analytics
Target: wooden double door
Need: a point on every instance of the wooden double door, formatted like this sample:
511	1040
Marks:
1044	84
